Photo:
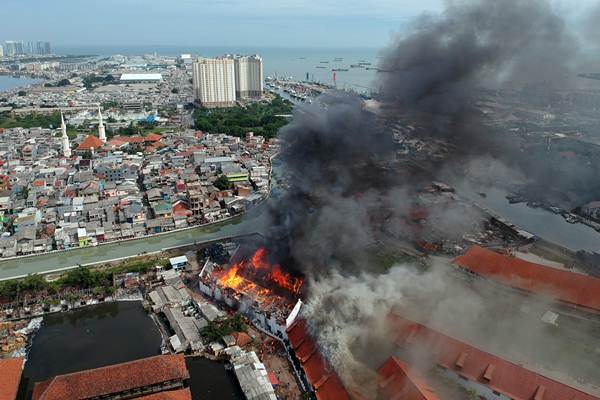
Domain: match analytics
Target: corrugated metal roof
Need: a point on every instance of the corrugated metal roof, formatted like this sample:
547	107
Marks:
569	287
141	77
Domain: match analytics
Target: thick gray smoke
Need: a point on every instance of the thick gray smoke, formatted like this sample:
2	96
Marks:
347	198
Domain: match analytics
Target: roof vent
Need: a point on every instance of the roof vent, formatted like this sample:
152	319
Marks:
487	375
460	362
539	393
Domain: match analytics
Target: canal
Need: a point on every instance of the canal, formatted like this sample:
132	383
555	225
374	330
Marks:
49	262
538	221
112	333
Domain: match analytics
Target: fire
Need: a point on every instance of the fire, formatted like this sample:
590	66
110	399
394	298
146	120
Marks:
241	276
231	278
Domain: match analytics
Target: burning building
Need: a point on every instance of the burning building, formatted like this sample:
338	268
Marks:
255	287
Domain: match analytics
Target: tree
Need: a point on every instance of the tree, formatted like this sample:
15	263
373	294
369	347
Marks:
174	90
222	183
22	93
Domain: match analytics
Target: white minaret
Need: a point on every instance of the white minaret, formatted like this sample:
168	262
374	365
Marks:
101	131
65	139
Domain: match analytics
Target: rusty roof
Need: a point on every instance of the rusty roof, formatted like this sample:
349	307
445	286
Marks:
499	375
569	287
325	381
113	379
181	394
398	382
10	376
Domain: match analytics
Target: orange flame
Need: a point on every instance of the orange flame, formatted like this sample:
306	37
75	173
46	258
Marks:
231	278
258	267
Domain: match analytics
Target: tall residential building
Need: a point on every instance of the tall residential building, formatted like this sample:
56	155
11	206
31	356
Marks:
214	82
248	76
43	48
14	48
1	51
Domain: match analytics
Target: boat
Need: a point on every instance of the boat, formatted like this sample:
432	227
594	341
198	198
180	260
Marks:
324	62
515	198
372	68
571	218
339	69
356	66
338	59
320	66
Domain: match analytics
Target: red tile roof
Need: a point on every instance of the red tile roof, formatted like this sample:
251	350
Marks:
273	378
153	137
241	338
325	381
499	375
398	382
181	394
10	376
569	287
135	139
113	379
89	143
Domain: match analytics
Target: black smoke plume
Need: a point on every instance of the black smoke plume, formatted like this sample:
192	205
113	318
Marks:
348	197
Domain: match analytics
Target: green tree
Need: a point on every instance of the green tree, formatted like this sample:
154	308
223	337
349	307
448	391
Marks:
222	183
22	93
174	90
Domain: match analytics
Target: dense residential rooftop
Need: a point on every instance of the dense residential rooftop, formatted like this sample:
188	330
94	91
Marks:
129	187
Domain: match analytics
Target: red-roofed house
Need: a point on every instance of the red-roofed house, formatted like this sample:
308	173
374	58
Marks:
10	376
152	137
89	143
181	209
490	376
241	338
273	378
398	382
117	142
142	377
325	382
180	186
135	139
569	287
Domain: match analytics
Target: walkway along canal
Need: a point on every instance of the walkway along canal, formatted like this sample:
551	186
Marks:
19	267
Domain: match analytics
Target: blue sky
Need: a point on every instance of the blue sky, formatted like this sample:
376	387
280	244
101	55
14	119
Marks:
299	23
275	23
